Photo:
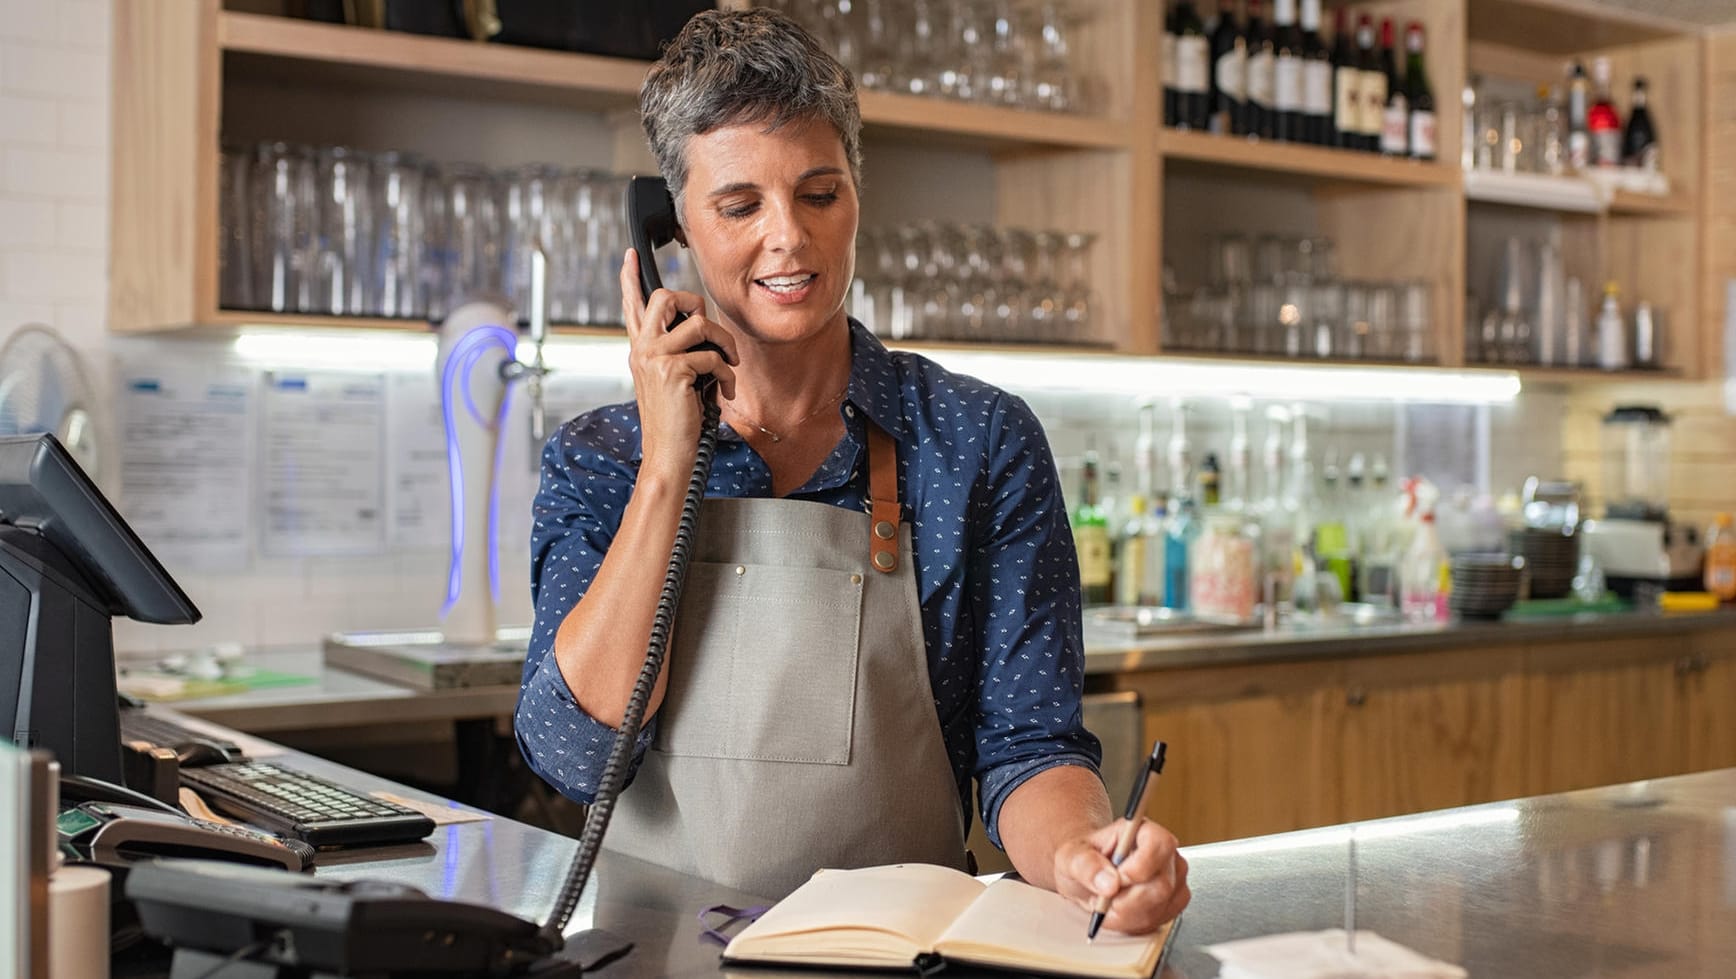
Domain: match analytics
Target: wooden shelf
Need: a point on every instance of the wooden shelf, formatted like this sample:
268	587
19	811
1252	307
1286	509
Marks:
1312	163
232	318
432	64
1566	27
1627	202
280	49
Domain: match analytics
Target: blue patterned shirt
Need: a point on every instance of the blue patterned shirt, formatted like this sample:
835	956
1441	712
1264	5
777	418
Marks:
996	572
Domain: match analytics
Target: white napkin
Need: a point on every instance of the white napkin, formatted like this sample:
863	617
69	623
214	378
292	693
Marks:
1324	955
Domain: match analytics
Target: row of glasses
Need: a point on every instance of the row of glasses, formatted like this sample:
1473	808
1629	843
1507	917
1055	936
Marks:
975	283
339	231
1280	296
1001	52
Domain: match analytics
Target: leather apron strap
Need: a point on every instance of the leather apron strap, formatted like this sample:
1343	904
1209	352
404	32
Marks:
883	499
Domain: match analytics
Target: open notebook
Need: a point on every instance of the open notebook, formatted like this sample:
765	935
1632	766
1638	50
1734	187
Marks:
904	914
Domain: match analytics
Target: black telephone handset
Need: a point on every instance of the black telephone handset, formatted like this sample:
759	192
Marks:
109	824
651	222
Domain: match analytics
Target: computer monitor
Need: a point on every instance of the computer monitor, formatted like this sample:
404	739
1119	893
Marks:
68	564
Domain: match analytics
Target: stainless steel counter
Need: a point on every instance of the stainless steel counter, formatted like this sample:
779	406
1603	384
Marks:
1294	642
1630	882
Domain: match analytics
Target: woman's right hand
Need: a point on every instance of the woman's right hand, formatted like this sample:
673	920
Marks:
665	370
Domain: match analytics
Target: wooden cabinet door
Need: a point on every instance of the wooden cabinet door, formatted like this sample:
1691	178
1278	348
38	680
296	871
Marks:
1602	713
1243	767
1711	709
1421	732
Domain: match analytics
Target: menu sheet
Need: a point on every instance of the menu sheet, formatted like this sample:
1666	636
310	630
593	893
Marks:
322	435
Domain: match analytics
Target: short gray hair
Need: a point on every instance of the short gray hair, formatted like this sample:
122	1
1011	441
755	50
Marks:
744	66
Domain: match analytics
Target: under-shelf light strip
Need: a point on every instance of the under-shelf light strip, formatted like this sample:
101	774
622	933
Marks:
606	358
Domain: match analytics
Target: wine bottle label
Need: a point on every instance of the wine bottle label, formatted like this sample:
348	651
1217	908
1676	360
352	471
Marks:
1394	130
1287	84
1579	150
1373	103
1606	145
1093	546
1232	73
1422	134
1347	100
1168	60
1191	58
1262	83
1317	87
1648	158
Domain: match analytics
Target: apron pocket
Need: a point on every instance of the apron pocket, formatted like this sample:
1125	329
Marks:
763	666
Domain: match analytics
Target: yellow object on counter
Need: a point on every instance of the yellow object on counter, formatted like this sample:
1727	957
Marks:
1687	601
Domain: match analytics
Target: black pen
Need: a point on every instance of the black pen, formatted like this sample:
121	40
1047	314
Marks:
1134	815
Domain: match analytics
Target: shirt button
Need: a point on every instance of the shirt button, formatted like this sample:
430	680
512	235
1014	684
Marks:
850	411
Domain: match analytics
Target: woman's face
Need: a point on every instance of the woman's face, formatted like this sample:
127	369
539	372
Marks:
771	218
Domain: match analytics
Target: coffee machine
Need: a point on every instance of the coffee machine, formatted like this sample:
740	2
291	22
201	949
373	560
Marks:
1635	543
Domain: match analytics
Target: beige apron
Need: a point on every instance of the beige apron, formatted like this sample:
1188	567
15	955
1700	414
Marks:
799	729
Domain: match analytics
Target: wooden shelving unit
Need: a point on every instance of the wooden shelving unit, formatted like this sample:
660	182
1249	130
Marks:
1116	174
1288	161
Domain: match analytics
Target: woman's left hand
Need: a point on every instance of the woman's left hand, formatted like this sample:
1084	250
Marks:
1149	889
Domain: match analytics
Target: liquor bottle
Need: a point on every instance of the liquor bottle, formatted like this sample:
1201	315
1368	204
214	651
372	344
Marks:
1602	120
1420	97
1640	144
1395	114
1346	85
1192	68
1091	538
1181	528
1612	340
1229	73
1277	520
1171	99
1262	67
1290	122
1139	569
1211	481
1316	78
1578	109
1372	100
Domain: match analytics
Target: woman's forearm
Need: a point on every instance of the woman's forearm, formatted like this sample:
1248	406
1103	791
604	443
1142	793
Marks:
600	645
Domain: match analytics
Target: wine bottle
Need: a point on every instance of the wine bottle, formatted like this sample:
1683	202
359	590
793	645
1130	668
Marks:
1346	85
1640	144
1091	538
1421	99
1290	121
1229	73
1578	109
1316	78
1372	103
1192	67
1171	99
1602	120
1262	66
1395	114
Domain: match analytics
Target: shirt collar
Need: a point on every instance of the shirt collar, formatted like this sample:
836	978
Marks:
874	381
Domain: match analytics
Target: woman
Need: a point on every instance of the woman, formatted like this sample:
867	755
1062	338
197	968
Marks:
836	677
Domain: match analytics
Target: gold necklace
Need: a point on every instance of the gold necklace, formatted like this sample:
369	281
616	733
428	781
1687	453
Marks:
775	437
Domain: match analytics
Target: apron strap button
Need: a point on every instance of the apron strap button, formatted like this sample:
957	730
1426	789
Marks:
884	560
885	530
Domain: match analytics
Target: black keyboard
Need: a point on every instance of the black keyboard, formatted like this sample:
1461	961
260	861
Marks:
137	725
305	807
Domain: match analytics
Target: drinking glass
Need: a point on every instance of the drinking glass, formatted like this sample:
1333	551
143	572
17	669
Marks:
235	256
284	198
344	233
469	251
1415	303
1078	298
399	180
529	210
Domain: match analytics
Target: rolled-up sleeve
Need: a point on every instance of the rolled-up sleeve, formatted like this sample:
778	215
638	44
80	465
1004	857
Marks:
576	514
1024	596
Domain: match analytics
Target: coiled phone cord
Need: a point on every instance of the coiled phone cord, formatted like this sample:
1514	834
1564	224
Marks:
621	752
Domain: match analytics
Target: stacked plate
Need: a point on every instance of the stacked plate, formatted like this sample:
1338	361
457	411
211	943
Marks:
1484	585
1550	556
